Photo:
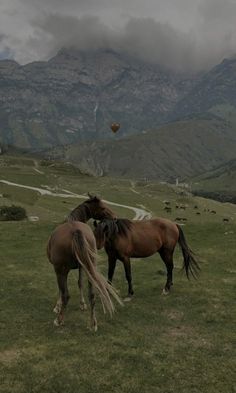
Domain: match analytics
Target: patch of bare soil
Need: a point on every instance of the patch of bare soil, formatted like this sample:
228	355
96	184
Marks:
9	356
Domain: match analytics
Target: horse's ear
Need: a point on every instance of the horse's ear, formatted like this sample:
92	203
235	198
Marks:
93	197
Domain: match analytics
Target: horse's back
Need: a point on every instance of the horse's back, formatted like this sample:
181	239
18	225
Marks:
167	229
162	224
59	248
159	231
65	231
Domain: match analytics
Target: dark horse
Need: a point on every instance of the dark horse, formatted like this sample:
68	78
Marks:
72	245
124	239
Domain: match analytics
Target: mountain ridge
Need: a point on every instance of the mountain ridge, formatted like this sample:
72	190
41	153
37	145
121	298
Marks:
72	99
77	94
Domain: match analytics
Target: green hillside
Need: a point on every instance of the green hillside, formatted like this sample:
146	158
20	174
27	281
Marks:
219	183
181	343
181	149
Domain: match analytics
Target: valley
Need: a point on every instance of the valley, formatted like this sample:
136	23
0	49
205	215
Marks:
187	333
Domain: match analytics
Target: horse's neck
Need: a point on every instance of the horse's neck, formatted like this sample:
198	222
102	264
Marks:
79	214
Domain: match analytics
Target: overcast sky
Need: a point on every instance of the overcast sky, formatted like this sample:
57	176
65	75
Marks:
184	34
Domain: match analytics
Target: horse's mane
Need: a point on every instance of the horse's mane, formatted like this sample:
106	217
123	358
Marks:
114	227
80	213
124	225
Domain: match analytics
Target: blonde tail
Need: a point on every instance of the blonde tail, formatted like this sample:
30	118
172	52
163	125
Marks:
87	259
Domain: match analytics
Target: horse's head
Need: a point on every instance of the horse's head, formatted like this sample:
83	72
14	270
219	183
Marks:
98	209
99	233
106	230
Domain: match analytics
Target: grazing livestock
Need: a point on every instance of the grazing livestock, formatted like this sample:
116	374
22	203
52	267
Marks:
167	203
180	219
183	207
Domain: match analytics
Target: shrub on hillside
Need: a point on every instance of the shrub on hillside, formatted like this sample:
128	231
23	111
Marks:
12	213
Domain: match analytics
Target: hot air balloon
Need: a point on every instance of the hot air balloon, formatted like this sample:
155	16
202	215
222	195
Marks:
115	127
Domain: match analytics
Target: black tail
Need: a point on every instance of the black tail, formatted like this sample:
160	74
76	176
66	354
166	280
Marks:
190	264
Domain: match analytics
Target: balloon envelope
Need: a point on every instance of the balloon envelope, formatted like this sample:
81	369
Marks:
115	127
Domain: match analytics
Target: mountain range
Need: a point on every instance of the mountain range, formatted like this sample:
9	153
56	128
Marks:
77	94
172	124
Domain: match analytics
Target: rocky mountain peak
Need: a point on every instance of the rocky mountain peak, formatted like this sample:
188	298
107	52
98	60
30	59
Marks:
77	94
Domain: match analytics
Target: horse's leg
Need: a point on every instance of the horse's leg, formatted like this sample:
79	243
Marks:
62	285
83	305
91	295
167	257
58	304
128	275
111	267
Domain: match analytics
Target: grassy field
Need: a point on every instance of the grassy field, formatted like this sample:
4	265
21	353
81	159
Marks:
182	343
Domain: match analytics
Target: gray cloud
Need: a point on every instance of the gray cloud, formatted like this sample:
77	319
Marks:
5	51
87	32
182	34
159	43
217	11
2	36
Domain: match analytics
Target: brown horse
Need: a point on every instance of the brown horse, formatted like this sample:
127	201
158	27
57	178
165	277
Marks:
72	245
124	239
93	207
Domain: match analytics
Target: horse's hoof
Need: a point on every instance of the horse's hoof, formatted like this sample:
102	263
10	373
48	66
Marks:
127	299
58	323
83	307
94	326
165	291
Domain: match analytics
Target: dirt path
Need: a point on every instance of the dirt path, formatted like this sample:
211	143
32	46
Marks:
140	214
36	168
132	188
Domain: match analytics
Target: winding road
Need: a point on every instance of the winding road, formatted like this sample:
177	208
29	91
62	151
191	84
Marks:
140	214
